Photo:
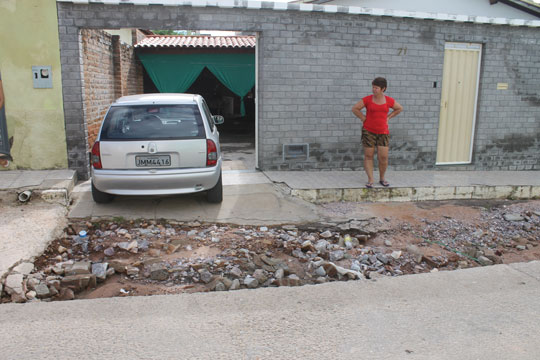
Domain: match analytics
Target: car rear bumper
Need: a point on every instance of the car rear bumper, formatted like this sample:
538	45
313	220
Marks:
156	181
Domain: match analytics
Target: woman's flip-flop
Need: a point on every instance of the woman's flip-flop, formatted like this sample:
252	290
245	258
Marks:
384	183
369	185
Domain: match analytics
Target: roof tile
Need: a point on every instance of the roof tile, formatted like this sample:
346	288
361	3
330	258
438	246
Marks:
196	41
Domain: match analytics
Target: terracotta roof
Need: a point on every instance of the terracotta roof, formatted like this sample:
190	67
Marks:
196	41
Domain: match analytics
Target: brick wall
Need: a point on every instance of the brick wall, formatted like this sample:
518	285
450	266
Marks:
131	72
98	75
314	65
109	71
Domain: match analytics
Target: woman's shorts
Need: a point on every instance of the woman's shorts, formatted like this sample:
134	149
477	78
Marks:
371	140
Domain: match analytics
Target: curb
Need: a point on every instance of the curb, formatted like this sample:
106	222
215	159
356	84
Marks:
429	193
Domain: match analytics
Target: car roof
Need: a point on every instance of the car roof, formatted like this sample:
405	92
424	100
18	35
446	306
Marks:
166	99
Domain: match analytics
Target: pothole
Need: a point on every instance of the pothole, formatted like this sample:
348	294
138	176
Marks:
133	258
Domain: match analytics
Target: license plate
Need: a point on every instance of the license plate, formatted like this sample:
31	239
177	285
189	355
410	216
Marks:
154	160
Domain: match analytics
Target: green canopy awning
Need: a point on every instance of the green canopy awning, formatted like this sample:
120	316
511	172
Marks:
175	73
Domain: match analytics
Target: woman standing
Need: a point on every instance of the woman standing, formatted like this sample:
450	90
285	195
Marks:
375	128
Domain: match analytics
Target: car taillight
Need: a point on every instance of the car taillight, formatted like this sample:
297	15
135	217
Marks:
95	158
211	153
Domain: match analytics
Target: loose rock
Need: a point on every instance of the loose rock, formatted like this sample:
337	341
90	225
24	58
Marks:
235	285
100	270
484	261
42	291
320	271
24	268
236	272
337	255
159	272
513	217
14	286
251	282
327	234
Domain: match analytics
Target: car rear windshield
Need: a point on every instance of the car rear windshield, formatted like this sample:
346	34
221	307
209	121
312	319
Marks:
157	122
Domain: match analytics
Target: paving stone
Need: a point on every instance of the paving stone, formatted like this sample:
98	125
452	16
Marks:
79	282
119	265
79	267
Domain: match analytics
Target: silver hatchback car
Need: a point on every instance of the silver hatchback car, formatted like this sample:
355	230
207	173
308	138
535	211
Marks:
157	144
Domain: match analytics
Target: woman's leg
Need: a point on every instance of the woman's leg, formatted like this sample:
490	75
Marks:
368	162
382	156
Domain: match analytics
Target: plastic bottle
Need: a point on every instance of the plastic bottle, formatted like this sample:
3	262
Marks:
82	240
348	242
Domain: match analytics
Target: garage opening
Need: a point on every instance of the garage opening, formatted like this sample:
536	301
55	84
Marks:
221	69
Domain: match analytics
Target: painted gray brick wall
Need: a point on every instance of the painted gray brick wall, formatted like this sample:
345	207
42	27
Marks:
313	66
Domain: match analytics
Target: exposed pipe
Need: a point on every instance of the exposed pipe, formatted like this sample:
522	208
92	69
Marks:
25	196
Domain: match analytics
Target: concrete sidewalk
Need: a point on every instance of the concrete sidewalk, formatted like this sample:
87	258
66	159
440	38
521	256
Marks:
322	186
49	185
480	313
330	186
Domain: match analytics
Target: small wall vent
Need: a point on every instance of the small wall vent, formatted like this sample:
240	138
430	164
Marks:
295	151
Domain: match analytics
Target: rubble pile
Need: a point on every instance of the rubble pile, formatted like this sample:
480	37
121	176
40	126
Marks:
221	257
500	230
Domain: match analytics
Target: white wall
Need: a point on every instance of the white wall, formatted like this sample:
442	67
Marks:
456	7
125	35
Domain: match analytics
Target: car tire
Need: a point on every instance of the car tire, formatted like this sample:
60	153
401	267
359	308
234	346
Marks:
215	194
101	197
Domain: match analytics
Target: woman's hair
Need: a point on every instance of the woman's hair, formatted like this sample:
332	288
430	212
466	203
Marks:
380	82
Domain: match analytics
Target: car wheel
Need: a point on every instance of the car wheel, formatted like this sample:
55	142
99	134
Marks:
101	197
215	194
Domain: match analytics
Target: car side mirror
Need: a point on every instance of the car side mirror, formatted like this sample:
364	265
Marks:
218	119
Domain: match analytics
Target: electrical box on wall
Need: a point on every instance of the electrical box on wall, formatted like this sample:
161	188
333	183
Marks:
42	77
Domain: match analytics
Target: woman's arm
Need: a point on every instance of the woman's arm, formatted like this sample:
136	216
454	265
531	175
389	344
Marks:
397	108
357	110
